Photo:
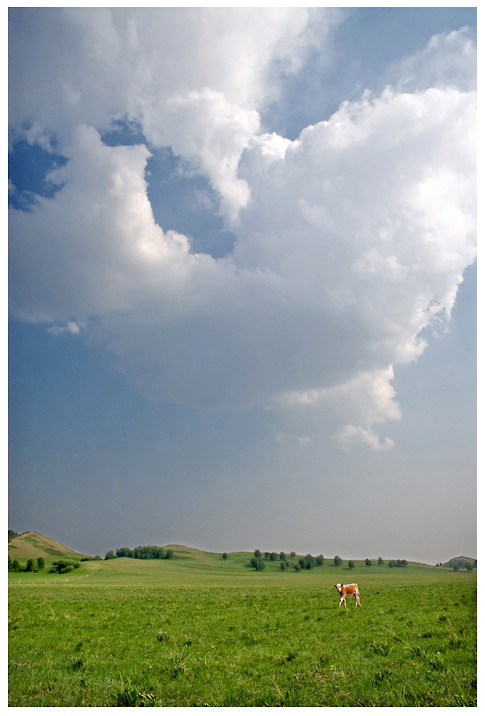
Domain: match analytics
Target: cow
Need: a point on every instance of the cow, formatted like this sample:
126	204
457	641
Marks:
348	590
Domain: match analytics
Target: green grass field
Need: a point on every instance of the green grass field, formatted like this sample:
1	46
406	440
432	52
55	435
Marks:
201	631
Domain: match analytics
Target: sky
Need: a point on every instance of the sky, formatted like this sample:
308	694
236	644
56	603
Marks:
242	279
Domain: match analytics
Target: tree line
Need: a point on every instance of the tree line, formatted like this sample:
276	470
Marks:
61	566
308	561
33	565
146	552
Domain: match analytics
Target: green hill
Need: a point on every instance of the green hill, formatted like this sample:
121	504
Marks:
189	559
461	561
32	545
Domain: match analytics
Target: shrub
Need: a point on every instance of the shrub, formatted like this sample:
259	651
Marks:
110	555
319	560
63	566
258	564
40	563
337	561
224	555
297	567
368	563
351	564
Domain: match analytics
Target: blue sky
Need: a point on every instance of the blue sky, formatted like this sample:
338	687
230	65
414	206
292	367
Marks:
243	279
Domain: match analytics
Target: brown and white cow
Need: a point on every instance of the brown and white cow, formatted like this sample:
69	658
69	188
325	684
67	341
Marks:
348	590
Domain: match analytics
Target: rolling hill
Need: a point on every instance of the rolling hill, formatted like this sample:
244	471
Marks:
32	545
462	561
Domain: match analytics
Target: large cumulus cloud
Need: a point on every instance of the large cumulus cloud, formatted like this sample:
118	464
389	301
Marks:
350	240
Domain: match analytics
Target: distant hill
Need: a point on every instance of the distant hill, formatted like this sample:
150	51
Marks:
462	561
32	545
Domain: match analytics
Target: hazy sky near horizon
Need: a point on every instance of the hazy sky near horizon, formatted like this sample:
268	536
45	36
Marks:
242	279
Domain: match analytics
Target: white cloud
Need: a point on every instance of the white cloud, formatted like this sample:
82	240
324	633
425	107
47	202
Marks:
350	240
194	78
70	327
355	435
448	60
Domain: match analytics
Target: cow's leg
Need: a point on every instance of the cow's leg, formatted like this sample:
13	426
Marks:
357	600
343	600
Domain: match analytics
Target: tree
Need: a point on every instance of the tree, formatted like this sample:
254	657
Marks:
282	556
380	561
368	563
456	567
30	567
16	566
292	554
124	552
169	554
337	561
351	564
309	561
11	535
224	555
257	553
469	567
392	563
40	563
319	560
257	563
110	555
10	564
297	567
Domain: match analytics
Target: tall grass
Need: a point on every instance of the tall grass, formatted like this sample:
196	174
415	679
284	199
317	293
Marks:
134	633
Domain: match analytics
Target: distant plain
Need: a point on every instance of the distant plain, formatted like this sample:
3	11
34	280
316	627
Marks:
198	630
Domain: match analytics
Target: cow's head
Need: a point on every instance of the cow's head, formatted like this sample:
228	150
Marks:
337	587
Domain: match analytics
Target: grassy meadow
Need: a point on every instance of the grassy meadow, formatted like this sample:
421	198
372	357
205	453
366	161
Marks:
202	631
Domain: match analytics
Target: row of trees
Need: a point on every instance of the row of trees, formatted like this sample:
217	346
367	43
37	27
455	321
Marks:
309	562
62	566
148	552
33	565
